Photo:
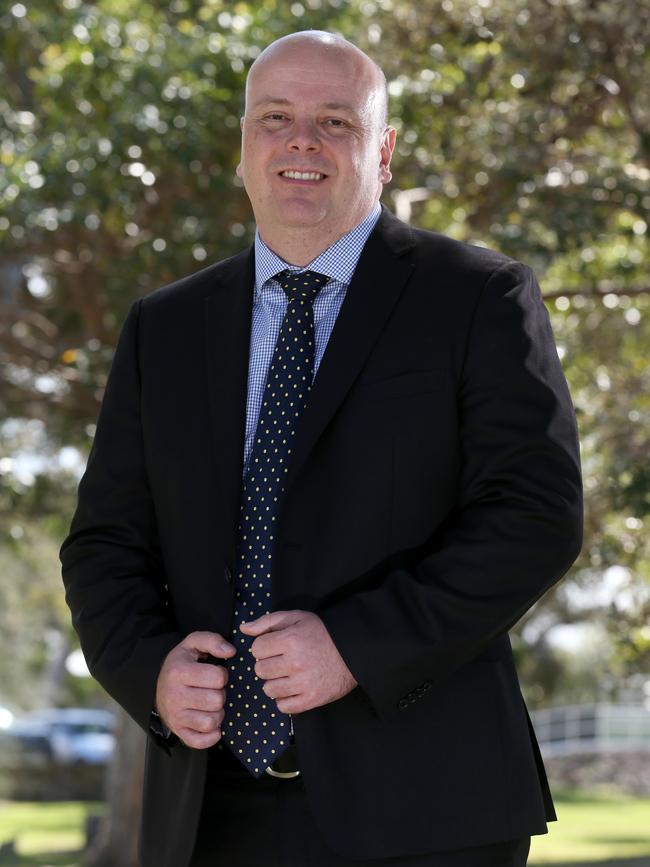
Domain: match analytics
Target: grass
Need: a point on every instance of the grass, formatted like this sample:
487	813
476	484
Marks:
595	827
44	833
605	829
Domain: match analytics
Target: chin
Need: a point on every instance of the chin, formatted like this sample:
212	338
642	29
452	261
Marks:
300	217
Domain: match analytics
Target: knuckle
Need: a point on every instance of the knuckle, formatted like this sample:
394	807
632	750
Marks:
295	665
218	679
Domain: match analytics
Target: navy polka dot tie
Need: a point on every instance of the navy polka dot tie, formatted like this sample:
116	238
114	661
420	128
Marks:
253	728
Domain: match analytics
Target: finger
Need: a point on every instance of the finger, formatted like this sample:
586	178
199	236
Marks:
196	740
200	721
271	667
280	687
208	642
204	676
209	700
269	644
293	704
271	622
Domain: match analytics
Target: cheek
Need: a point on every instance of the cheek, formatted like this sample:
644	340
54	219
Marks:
360	175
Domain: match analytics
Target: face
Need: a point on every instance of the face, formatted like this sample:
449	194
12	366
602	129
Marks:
315	152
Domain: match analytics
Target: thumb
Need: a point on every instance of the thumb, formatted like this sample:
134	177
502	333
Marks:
208	642
274	621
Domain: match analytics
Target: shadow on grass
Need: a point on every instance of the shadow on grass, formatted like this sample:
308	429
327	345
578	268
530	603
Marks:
42	859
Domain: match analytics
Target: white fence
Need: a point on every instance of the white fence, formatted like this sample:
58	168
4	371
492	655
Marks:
592	728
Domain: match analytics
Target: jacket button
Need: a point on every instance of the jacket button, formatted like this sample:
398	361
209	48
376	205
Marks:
227	574
403	703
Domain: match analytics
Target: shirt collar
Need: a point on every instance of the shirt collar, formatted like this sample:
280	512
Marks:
338	261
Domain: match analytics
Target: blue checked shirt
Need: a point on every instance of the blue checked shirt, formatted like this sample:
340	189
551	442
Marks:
270	303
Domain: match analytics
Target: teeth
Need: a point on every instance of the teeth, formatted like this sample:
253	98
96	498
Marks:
302	176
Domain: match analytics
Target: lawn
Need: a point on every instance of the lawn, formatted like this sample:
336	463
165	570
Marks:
592	828
50	833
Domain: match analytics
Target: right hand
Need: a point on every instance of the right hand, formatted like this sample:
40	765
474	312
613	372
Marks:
190	695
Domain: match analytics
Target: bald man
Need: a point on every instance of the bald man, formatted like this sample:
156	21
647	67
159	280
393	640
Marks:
303	535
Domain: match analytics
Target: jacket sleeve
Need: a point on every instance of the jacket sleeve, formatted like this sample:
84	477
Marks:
518	525
112	567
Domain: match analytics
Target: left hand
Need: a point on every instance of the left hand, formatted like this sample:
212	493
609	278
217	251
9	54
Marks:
298	660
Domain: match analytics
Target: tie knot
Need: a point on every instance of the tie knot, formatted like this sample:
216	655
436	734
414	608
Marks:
301	284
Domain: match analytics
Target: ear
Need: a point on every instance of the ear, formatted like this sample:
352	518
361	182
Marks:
238	170
385	154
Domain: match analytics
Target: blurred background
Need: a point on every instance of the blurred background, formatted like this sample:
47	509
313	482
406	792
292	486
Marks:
523	125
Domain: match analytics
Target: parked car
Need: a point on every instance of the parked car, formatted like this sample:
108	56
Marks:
56	754
6	717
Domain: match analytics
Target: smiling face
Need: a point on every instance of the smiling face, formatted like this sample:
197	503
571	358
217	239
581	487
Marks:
315	150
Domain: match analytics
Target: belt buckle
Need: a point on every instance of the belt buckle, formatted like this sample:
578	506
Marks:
289	758
282	775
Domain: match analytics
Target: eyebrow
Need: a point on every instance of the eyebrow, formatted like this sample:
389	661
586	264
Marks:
278	100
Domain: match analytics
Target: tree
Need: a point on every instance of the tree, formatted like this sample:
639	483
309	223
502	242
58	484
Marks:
523	125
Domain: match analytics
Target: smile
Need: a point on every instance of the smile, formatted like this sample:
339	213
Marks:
302	176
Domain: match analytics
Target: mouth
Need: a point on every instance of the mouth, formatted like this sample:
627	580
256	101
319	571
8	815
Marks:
294	175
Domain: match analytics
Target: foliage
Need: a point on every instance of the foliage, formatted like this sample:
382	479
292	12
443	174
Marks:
522	125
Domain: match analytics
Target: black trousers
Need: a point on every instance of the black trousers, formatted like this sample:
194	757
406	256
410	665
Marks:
249	823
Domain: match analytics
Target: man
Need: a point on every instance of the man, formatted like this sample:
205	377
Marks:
338	466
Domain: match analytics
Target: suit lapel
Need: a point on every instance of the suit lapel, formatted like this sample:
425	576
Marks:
378	281
228	311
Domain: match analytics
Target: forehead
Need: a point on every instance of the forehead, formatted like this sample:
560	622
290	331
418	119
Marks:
328	78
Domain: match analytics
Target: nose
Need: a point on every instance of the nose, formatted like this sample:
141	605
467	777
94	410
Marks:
303	137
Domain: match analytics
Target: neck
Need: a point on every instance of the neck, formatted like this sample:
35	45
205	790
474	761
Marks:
301	245
298	247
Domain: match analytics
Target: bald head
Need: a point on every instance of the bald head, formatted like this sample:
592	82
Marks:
316	149
359	66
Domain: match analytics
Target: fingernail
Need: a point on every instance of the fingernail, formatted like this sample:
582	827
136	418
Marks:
227	648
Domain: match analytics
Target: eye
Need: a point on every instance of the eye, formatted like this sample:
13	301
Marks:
275	116
335	122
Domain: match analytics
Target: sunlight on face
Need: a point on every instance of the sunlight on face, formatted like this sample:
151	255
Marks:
315	153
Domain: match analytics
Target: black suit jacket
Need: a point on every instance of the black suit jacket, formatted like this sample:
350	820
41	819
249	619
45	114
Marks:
434	495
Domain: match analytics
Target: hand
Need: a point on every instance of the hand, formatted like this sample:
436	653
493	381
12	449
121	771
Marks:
298	660
190	694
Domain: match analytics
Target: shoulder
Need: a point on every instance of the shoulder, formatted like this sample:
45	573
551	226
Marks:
459	256
438	254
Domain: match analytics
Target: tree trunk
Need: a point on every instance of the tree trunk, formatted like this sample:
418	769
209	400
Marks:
117	838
